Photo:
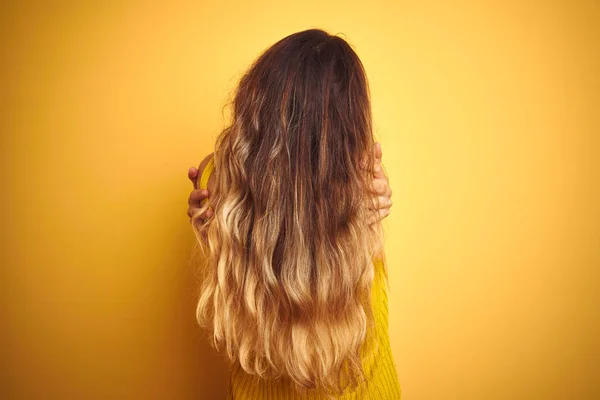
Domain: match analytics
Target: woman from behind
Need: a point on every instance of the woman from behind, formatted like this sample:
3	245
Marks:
293	284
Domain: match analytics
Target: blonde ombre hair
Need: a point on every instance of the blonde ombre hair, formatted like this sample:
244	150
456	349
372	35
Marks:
289	252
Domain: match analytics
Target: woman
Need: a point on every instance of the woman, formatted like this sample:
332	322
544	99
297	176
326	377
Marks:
295	277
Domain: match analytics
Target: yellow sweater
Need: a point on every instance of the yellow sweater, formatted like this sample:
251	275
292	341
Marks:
382	383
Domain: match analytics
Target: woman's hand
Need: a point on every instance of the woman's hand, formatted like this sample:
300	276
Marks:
196	197
381	185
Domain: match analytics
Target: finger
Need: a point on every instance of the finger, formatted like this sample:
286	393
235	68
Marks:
378	172
384	213
197	195
192	211
385	202
378	153
381	214
193	175
381	187
381	202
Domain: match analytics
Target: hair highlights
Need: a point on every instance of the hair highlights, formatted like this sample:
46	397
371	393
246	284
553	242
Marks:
289	252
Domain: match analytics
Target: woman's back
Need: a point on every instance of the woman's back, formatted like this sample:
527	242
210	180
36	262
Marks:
292	284
380	370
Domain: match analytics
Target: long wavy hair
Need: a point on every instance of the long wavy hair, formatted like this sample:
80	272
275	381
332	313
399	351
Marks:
289	252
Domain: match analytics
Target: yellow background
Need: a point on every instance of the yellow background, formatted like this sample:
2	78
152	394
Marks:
488	113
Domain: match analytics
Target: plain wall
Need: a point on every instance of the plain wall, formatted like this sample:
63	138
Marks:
488	114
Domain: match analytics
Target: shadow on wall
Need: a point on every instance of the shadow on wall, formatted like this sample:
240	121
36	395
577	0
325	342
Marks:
207	372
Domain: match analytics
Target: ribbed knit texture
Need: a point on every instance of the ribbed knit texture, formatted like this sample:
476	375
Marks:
382	382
